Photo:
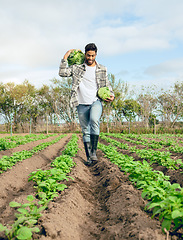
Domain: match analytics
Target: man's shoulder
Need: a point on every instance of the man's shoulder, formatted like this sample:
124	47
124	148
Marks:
100	66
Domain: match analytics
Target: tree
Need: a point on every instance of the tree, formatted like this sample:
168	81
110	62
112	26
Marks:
19	103
112	111
171	105
61	93
130	109
178	96
148	102
46	103
5	102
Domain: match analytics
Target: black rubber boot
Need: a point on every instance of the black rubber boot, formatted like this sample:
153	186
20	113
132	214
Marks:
87	151
93	142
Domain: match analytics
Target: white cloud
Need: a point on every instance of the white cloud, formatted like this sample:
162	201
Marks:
130	38
172	67
36	34
35	77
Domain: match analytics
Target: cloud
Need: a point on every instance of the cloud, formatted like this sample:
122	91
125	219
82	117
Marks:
35	77
127	39
172	67
36	34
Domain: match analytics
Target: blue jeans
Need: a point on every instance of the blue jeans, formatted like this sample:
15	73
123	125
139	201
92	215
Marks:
89	118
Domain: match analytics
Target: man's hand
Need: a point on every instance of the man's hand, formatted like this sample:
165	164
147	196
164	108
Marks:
68	53
110	99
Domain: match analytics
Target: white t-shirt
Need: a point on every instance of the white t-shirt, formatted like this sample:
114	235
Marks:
88	86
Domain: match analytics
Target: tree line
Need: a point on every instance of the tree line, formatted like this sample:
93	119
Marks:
22	103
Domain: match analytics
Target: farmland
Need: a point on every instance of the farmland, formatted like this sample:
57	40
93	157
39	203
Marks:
133	192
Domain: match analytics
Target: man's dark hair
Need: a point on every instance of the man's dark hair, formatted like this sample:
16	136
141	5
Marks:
90	47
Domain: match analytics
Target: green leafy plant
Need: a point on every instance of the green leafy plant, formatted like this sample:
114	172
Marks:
76	57
104	93
14	141
48	181
26	220
165	199
48	185
163	158
6	162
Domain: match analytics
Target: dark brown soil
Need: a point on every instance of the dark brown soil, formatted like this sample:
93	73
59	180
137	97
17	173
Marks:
176	176
100	203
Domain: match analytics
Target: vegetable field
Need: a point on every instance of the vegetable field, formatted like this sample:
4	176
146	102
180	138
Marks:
134	192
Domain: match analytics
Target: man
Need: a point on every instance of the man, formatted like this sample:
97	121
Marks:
87	79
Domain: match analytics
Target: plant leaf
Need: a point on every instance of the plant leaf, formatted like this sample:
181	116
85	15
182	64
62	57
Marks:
24	233
35	229
22	210
14	204
166	224
177	214
2	228
30	198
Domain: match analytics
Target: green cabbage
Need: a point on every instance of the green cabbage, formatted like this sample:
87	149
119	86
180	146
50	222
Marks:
104	93
76	57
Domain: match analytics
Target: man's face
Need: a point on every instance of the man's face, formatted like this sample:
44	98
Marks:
90	58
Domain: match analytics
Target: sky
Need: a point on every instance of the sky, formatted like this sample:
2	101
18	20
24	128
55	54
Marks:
139	41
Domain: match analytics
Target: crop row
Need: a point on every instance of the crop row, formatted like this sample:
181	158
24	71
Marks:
157	136
165	199
14	141
175	137
163	158
48	186
171	144
139	140
6	162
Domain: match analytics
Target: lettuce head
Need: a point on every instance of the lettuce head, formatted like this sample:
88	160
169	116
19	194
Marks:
76	57
104	93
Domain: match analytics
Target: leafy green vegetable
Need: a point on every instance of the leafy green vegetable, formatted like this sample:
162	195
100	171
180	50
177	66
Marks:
104	93
14	141
76	57
9	161
164	198
48	186
26	220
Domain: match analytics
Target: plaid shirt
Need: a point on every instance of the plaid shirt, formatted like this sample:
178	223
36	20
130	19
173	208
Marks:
77	72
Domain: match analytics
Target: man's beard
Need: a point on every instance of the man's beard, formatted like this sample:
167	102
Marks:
89	63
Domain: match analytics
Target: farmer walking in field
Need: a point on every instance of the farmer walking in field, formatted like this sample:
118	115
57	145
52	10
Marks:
88	78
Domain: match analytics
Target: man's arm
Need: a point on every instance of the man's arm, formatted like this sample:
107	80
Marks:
64	70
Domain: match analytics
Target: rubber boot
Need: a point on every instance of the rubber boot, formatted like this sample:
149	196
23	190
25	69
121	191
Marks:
93	143
87	151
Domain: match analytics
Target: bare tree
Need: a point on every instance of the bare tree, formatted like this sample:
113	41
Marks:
171	105
178	94
148	102
113	111
61	94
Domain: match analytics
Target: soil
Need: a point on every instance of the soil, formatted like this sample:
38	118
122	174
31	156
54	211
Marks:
175	175
100	203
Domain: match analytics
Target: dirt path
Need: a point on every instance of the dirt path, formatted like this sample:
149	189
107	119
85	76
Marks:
26	146
14	183
99	204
